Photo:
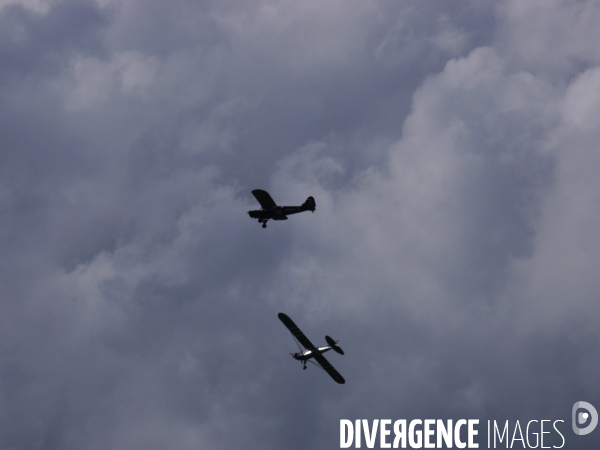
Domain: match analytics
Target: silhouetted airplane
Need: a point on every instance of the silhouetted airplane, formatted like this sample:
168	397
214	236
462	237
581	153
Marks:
270	210
310	351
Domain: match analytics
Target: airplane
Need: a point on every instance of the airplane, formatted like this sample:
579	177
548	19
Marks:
311	351
270	210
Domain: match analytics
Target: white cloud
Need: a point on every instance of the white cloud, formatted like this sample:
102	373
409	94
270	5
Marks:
37	6
560	280
299	37
582	101
131	73
554	37
449	38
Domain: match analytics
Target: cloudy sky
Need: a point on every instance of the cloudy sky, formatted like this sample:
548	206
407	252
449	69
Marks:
452	148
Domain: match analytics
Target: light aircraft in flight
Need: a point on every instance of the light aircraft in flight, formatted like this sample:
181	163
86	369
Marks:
270	210
310	351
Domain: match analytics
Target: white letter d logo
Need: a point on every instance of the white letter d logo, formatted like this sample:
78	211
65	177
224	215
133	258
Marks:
582	417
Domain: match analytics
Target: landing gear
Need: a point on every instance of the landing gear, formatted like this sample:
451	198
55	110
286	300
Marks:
304	365
264	224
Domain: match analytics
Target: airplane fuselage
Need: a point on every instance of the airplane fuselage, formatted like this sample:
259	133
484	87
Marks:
270	210
276	213
307	354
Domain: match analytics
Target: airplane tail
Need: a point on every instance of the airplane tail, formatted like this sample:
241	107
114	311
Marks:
309	204
334	345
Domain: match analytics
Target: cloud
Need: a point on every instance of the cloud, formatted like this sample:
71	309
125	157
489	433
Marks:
130	72
37	6
451	150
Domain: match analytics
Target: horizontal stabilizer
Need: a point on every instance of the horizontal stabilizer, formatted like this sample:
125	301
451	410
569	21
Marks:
334	345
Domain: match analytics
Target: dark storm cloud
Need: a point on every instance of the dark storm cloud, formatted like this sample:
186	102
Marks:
451	150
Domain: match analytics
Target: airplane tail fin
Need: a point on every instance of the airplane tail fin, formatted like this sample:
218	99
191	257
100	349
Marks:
309	204
334	345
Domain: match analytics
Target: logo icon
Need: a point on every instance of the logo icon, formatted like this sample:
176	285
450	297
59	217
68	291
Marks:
581	417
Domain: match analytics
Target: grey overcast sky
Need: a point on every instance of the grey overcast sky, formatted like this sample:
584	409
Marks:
452	148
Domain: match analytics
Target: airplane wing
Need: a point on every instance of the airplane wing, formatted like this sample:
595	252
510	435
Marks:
264	199
289	323
329	368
